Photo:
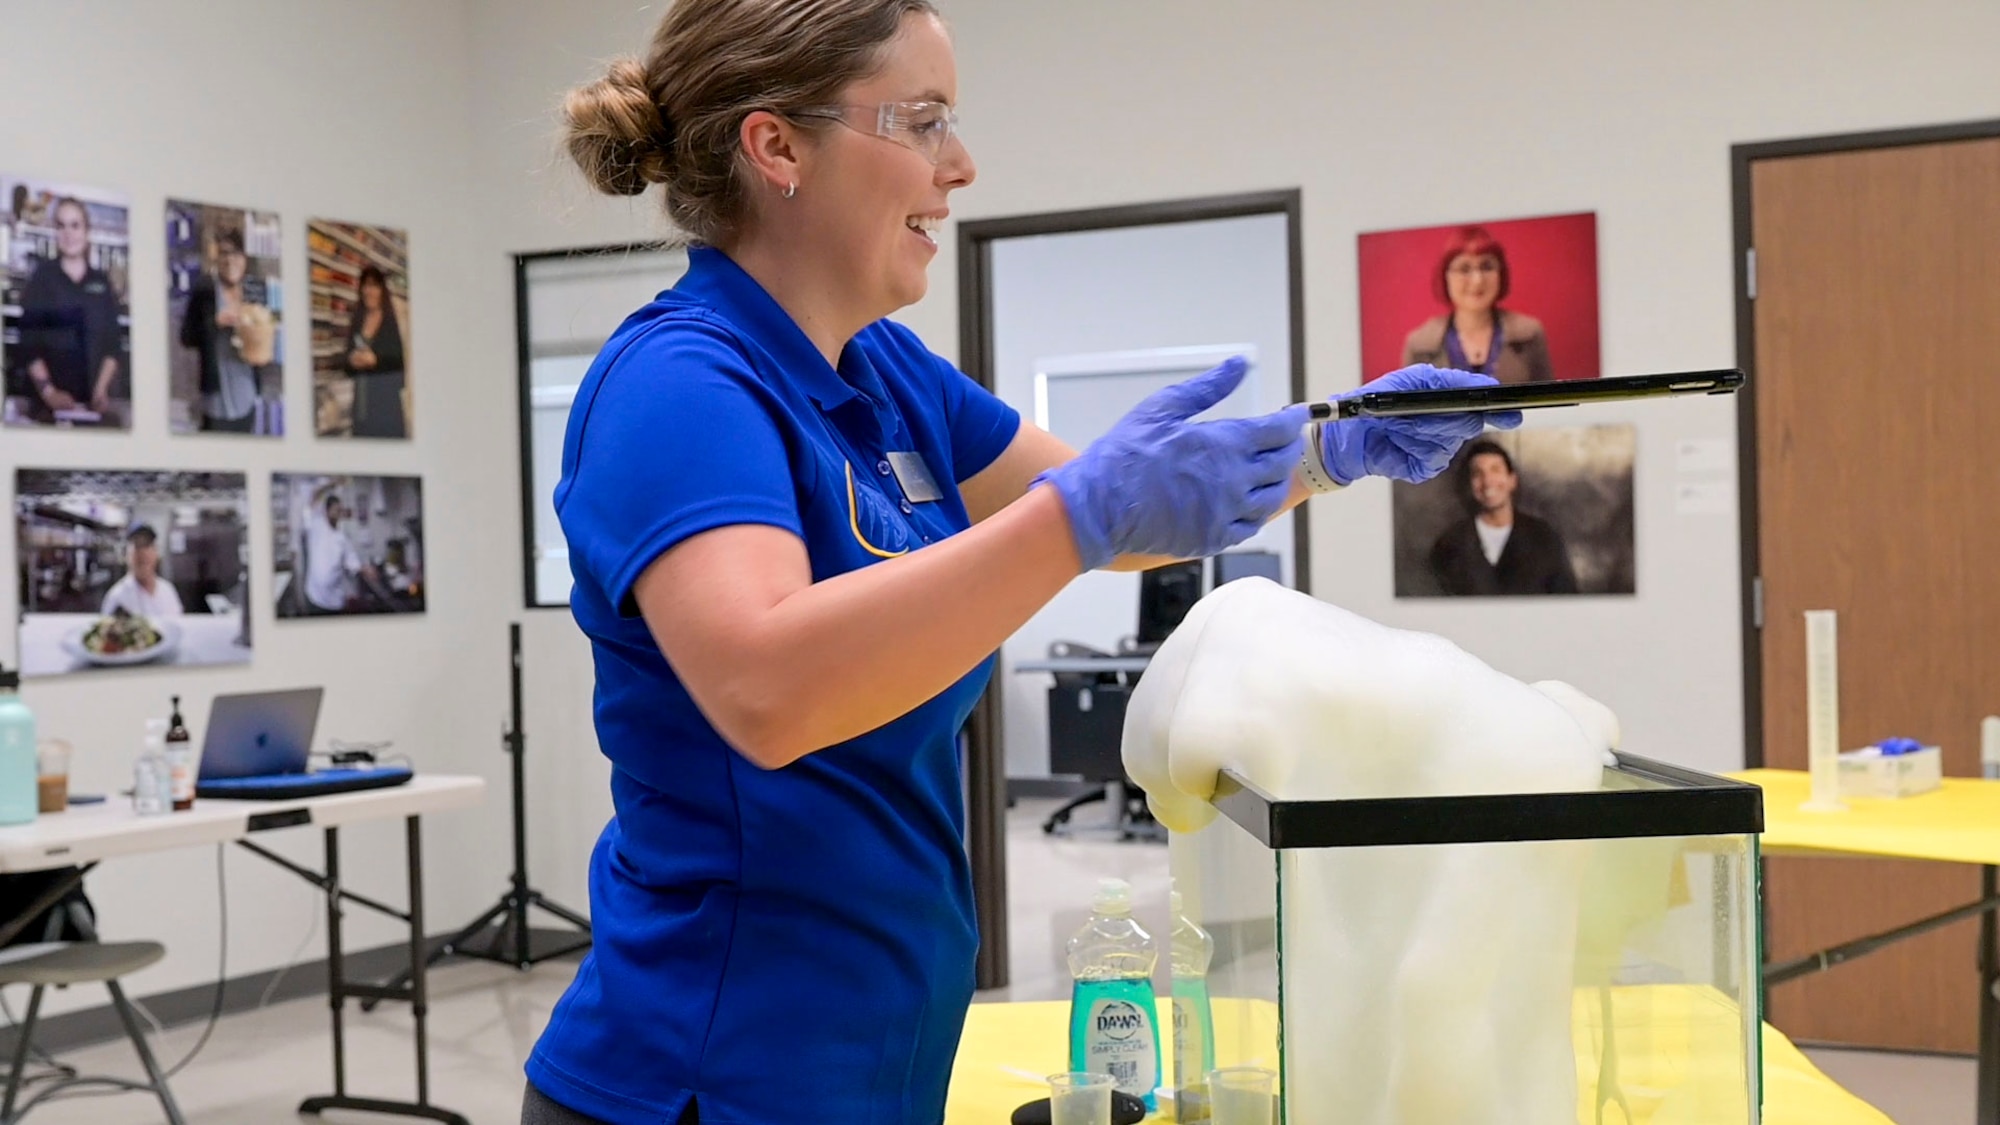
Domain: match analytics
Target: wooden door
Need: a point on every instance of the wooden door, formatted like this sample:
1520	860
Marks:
1877	382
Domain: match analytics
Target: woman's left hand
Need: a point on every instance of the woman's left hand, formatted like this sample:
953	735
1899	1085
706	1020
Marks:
1413	449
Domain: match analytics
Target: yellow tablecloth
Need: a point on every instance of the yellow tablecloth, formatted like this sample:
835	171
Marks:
1007	1046
1959	823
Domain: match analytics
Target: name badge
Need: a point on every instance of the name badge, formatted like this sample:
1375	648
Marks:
915	477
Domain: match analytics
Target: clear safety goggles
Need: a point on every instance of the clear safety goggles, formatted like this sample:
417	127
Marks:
923	127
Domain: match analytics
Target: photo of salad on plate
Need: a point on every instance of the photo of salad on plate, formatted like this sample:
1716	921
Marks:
122	568
121	634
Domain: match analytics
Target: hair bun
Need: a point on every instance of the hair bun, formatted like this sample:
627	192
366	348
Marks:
617	131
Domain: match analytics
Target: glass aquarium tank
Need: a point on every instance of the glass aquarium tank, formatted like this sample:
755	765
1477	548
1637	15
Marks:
1530	959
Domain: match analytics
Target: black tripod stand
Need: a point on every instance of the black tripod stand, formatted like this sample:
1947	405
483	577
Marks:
502	934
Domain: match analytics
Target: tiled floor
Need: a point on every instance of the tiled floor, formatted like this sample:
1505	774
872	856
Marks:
485	1017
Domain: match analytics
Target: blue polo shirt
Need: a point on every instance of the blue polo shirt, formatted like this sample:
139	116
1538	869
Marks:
786	945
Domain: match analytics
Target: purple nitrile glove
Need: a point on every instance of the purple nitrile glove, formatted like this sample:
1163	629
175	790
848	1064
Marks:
1161	484
1413	449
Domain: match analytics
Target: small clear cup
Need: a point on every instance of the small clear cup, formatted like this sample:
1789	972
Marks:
1242	1095
1080	1099
52	775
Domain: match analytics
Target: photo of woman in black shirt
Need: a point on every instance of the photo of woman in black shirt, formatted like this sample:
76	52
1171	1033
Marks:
72	349
375	360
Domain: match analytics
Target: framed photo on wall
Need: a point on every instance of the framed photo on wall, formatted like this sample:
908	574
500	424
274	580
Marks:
347	545
1513	298
65	338
360	329
225	320
1534	511
128	568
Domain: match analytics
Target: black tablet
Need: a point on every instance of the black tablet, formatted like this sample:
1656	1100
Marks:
1528	396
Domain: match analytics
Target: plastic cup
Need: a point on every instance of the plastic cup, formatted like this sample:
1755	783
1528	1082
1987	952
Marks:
1080	1099
1241	1095
52	775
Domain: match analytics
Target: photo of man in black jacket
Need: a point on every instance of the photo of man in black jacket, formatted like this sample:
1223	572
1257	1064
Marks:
1499	549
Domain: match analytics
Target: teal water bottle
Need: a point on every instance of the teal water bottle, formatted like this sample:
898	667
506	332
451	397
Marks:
1194	1024
18	798
1113	1022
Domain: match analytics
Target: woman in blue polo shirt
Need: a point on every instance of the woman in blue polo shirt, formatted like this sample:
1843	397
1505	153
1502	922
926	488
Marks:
798	537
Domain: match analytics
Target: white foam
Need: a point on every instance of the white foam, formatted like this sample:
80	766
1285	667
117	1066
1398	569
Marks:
1423	984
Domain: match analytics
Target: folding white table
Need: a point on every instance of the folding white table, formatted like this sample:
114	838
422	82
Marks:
85	835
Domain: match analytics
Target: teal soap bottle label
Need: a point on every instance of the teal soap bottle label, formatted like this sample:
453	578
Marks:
1113	1031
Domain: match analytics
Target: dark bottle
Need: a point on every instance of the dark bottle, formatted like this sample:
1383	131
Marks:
180	760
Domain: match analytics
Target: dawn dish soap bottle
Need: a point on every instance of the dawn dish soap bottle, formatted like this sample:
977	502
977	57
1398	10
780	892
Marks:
1113	1021
19	797
1194	1026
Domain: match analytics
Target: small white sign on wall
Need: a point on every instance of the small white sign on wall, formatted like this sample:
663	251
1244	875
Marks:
1704	455
1704	498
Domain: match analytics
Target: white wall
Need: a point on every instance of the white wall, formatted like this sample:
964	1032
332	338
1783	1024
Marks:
1387	116
437	117
355	109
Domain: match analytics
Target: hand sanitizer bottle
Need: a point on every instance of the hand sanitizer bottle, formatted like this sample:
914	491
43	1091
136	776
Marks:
1113	1023
152	780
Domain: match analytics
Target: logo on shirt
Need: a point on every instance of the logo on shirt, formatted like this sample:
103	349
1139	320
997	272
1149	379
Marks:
876	524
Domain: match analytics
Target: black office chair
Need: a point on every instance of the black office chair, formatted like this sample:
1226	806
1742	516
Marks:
1087	709
1086	728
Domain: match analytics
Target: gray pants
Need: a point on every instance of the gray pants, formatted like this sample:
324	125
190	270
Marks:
538	1109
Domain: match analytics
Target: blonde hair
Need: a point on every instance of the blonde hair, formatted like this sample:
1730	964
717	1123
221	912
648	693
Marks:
673	117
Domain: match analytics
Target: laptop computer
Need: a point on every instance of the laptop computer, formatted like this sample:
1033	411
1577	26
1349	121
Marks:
256	749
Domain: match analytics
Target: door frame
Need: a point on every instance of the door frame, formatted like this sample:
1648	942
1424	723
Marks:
986	761
1741	159
524	360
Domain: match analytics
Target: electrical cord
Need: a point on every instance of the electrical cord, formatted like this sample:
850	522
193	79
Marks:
339	753
312	931
221	968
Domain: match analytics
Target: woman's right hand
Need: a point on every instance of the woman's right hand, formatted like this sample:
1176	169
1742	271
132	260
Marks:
361	359
1160	484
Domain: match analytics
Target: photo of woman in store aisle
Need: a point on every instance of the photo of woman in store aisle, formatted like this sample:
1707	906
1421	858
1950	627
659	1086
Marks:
360	329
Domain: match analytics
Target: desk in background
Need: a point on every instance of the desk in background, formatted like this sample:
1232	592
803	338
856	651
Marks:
84	835
1086	728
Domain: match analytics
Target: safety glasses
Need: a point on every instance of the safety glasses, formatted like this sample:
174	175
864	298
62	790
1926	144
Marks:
922	127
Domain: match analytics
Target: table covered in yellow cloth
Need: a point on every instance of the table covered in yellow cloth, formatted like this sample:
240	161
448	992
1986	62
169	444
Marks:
1007	1047
1959	823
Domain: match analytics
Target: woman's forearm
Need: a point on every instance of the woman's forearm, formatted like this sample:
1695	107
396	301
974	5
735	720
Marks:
841	657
